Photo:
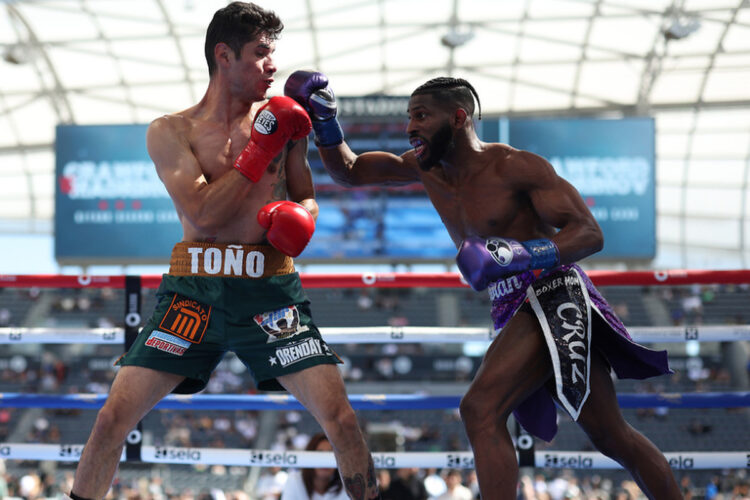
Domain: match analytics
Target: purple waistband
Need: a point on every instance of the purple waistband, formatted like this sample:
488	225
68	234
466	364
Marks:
508	294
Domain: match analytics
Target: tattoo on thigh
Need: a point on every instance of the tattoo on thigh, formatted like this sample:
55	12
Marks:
355	487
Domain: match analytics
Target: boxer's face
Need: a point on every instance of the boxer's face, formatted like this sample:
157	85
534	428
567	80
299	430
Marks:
252	72
429	130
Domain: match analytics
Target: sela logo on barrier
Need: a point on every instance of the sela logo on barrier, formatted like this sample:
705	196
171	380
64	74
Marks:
386	461
177	454
459	461
70	451
691	333
258	457
567	462
681	462
5	451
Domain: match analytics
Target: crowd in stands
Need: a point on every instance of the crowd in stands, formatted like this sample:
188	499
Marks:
396	484
69	369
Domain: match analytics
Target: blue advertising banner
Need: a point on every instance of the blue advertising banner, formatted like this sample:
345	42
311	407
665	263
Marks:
110	206
611	163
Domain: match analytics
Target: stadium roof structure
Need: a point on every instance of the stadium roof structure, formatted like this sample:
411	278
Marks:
684	62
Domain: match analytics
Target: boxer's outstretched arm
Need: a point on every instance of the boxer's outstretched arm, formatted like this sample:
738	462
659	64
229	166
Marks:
375	168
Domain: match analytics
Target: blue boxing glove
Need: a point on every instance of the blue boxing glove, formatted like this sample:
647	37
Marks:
310	89
482	261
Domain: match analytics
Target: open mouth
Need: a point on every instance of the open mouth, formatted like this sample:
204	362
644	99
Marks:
419	146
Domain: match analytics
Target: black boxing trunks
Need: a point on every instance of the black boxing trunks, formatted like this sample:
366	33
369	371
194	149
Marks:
217	298
575	319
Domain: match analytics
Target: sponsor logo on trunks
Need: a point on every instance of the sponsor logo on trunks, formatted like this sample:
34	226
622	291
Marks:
280	324
572	322
556	283
560	302
298	351
186	318
231	262
500	289
177	454
258	457
167	343
5	451
558	461
265	122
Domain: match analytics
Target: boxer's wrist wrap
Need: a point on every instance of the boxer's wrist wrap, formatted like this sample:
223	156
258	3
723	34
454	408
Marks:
544	253
328	133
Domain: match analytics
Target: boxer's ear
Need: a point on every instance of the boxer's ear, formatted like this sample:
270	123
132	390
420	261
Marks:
223	54
459	118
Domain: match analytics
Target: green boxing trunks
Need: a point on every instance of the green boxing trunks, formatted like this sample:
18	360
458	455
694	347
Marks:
241	298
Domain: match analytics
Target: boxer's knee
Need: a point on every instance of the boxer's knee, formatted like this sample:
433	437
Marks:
112	424
480	413
339	421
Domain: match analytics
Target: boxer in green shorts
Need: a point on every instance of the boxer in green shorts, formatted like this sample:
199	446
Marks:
235	166
265	321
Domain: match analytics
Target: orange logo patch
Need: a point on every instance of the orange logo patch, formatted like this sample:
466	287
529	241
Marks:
186	318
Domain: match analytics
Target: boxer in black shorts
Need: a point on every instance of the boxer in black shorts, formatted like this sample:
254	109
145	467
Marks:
235	166
510	215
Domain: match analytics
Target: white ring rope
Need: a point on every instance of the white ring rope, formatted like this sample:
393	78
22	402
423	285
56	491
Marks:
389	460
384	334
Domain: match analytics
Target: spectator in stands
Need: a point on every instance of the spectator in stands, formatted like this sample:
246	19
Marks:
472	482
698	427
5	317
455	488
434	482
384	480
741	489
407	485
321	483
271	484
4	490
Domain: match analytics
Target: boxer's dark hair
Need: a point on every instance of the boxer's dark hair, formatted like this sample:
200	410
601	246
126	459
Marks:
451	89
236	24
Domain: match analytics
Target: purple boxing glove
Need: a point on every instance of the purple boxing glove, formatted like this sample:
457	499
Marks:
482	261
310	89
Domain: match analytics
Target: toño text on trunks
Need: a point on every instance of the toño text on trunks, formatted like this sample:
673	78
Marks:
220	297
563	300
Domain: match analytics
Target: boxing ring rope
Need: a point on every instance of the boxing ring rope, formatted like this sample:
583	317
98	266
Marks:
385	334
358	401
672	277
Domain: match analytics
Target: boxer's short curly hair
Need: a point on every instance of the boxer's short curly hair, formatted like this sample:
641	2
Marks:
236	24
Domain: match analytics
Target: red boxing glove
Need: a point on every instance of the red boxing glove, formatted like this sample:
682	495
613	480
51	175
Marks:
290	226
279	120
